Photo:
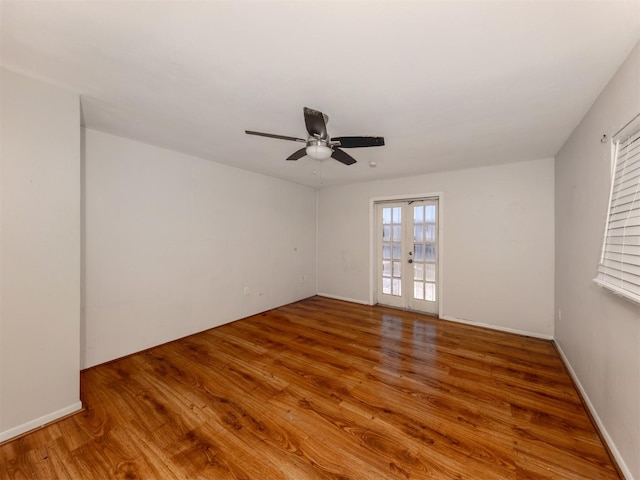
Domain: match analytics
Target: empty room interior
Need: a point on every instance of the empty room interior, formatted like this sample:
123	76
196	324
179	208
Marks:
442	282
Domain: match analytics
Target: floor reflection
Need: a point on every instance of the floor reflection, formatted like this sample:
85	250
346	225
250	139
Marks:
406	346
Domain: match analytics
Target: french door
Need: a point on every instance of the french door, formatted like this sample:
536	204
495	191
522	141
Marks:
407	255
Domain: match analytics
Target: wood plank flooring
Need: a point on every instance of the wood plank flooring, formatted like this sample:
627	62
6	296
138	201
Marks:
324	389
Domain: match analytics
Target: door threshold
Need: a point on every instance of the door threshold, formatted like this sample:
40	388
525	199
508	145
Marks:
434	315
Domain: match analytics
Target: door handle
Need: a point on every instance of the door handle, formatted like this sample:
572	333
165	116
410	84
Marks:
410	260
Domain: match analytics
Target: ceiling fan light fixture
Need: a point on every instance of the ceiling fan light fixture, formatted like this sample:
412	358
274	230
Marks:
319	152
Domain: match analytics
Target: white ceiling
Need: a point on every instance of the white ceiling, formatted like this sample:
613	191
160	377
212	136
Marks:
449	84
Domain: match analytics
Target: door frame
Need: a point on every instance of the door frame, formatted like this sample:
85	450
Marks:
373	242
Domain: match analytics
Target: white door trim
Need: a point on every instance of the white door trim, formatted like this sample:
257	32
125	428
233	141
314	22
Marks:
373	239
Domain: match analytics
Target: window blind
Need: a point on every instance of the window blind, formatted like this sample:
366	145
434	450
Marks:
619	268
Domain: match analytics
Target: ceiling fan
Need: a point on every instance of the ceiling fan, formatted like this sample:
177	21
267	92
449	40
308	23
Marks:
319	145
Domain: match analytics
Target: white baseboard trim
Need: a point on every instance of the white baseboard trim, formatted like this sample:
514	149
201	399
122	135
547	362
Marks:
496	327
39	422
346	299
603	431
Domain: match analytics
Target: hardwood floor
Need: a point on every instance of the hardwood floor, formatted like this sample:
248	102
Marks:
324	389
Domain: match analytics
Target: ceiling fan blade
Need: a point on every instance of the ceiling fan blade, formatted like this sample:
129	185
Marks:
358	142
343	157
298	154
272	135
316	123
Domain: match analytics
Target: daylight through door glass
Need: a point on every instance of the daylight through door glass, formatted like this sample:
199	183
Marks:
424	252
391	250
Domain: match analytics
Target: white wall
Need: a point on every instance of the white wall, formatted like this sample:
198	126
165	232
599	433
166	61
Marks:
598	332
498	242
172	241
39	254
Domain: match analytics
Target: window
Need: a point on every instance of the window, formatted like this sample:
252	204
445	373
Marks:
619	268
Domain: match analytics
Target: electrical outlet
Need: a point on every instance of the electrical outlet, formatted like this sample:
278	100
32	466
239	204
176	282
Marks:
246	290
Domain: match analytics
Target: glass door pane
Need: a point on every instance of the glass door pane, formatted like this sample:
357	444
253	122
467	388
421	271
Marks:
424	217
392	251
